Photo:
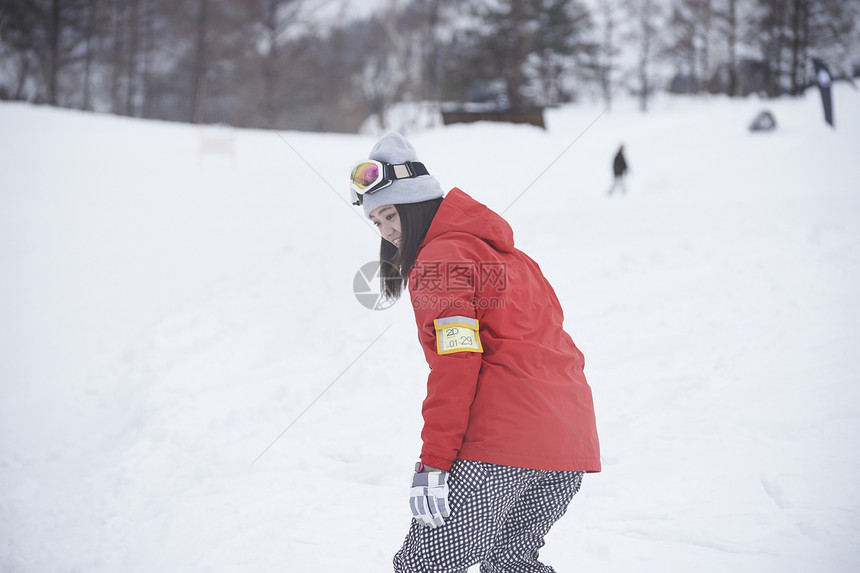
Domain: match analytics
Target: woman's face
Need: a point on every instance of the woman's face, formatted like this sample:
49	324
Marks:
387	220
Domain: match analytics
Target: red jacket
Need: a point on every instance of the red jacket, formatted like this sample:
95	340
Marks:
506	384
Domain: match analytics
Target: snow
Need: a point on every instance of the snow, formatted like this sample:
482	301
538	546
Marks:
189	384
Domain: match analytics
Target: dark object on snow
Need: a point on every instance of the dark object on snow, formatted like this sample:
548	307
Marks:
530	115
619	164
823	79
619	168
763	122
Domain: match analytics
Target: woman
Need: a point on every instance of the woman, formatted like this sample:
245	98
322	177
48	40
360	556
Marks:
509	426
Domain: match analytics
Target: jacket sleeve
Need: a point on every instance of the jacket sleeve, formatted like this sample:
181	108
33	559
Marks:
442	285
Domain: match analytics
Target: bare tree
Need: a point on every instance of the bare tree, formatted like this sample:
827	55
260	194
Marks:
199	63
435	18
20	34
123	51
385	73
689	39
607	51
769	34
132	55
51	15
559	45
90	51
704	11
732	27
148	32
644	16
49	33
277	19
787	33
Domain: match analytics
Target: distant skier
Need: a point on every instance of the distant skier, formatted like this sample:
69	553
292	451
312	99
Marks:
619	168
509	428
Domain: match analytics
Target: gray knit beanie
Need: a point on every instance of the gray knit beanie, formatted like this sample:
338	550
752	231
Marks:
394	149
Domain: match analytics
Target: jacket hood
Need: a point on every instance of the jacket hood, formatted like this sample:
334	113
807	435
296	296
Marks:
459	213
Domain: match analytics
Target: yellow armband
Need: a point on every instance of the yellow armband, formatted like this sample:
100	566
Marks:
457	334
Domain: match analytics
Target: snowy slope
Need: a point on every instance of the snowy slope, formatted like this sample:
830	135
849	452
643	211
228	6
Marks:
177	301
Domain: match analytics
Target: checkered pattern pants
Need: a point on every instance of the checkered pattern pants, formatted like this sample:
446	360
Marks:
499	517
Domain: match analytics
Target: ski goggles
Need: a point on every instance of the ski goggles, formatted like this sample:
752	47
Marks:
370	176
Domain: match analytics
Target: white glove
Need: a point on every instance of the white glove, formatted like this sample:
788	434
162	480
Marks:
428	498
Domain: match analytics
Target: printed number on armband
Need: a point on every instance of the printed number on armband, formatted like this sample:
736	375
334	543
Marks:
457	334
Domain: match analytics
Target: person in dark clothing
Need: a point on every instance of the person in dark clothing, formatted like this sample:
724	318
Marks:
619	168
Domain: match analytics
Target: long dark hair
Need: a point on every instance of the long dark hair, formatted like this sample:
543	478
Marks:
394	263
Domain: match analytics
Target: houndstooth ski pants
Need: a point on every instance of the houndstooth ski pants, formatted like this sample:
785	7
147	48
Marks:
499	517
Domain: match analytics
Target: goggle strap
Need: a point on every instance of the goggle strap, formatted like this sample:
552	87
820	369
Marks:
408	170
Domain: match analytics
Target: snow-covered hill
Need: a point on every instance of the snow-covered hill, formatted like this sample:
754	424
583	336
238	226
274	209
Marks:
177	301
